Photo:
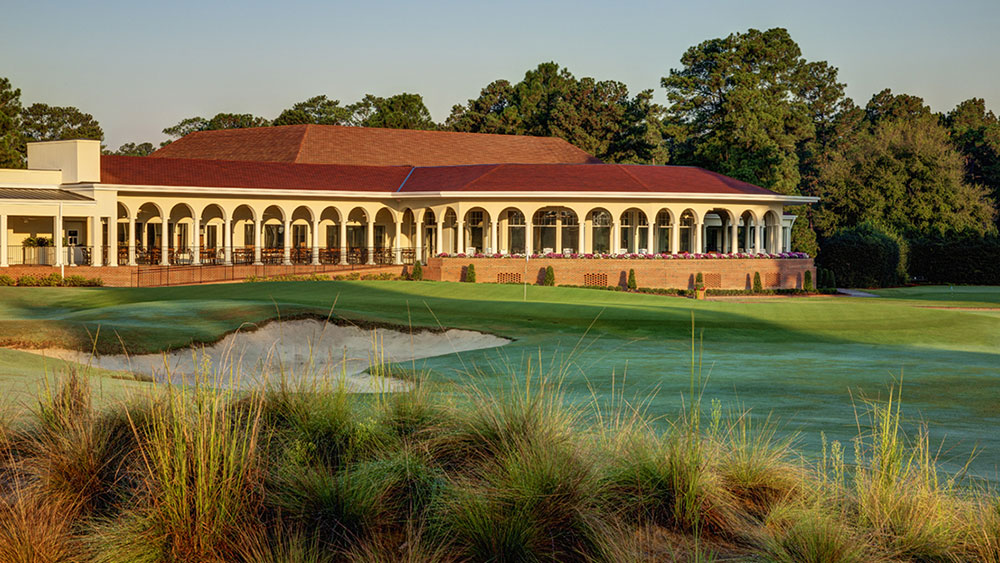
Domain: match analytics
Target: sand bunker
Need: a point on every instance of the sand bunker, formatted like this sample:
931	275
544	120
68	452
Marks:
293	351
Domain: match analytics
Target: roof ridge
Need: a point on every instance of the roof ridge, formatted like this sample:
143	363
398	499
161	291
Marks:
631	175
302	142
493	168
408	174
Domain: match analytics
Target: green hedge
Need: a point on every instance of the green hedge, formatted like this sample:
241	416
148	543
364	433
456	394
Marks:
956	258
51	280
866	255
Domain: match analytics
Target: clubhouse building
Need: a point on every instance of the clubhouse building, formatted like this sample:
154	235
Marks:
330	197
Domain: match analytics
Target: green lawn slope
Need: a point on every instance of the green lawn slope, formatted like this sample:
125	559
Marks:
805	360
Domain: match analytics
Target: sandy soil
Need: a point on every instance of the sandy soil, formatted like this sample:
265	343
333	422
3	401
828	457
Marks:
301	350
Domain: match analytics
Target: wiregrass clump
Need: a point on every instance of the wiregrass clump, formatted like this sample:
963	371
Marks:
313	473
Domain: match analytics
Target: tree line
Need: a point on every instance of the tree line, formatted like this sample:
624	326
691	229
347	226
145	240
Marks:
748	105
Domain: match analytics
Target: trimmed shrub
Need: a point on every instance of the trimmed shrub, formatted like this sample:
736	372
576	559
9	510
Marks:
29	280
962	258
758	287
821	279
470	274
51	280
866	255
418	272
7	281
550	277
807	281
74	281
699	281
632	286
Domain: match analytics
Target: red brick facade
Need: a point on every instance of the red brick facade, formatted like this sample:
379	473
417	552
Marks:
146	276
678	273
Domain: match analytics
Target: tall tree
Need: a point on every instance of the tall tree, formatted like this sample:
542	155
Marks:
744	105
318	110
11	142
597	116
976	133
42	122
133	149
402	111
897	166
220	121
750	106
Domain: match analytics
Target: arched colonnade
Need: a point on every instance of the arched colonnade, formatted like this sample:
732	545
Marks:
373	233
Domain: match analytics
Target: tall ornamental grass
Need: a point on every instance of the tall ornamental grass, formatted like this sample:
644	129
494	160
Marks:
309	472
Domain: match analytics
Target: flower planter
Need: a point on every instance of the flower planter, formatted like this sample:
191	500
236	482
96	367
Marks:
700	293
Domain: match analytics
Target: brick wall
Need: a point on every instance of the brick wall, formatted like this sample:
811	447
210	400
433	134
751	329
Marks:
128	276
718	273
119	276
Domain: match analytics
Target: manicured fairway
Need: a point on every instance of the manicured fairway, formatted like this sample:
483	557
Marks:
802	359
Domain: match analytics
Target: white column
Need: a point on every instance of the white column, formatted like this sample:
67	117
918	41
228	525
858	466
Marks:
438	237
370	240
649	237
675	236
494	243
112	241
419	250
699	237
164	242
132	238
256	241
747	235
94	238
756	238
559	241
227	241
529	238
616	236
3	240
581	239
460	237
315	242
287	242
396	249
196	240
343	241
57	238
779	236
734	237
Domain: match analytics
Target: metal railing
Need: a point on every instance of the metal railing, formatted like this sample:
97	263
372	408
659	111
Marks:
242	255
209	256
31	255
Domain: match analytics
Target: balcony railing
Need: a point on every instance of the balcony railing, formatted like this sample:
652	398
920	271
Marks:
207	256
243	255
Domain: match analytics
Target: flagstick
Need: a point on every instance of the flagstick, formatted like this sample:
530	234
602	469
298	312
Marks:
525	276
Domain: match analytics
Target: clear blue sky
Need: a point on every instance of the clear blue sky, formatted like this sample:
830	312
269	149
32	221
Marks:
141	66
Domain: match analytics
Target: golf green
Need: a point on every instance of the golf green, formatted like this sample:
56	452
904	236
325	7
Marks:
810	362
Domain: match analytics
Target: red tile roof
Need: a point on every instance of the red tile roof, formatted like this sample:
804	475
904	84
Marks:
369	146
145	171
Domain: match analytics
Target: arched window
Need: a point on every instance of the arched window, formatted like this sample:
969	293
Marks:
515	232
662	232
601	221
686	234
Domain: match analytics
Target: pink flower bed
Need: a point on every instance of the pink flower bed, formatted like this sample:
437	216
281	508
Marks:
634	256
